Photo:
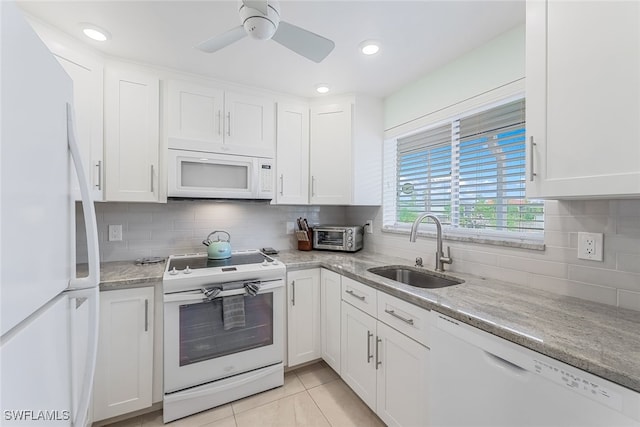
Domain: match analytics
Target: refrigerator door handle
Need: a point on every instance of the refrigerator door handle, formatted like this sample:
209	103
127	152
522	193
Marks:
81	413
88	209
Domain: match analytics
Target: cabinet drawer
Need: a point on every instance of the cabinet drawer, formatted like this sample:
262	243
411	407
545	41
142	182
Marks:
359	295
407	318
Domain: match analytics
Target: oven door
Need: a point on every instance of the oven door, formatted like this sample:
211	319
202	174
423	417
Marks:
198	349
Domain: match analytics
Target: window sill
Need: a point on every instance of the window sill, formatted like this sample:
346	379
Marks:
494	241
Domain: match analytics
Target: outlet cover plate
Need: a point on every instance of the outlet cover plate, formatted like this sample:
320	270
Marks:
590	246
115	233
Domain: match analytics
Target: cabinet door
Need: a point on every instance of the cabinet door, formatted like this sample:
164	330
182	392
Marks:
131	135
123	381
292	155
87	76
330	158
195	117
303	322
330	317
402	376
249	127
583	98
358	366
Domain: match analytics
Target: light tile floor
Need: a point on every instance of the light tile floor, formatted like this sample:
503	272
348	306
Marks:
311	396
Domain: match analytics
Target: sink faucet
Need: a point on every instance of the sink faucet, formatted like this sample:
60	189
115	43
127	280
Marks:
441	260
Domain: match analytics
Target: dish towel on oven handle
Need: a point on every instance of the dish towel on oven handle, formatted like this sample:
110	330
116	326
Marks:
252	288
233	312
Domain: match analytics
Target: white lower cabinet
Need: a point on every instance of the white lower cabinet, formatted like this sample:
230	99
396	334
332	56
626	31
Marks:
330	318
124	374
303	316
385	368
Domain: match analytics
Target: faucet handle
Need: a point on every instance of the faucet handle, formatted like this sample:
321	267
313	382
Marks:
418	262
447	259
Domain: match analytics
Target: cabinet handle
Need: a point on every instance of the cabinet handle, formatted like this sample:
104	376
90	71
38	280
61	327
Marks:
146	315
532	144
99	166
397	316
281	184
152	178
313	185
378	361
369	355
353	294
229	123
219	122
293	293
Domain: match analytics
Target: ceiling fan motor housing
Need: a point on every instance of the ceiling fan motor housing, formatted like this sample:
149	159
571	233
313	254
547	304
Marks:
258	25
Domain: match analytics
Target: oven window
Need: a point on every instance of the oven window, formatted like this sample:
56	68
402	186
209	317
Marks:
202	333
214	175
333	238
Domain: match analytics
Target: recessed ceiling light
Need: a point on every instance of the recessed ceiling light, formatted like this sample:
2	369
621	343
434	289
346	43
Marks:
94	32
322	88
369	47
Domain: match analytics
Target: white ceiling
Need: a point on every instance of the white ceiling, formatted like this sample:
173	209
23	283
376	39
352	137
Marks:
416	37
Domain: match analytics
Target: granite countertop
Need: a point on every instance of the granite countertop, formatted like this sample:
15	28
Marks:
597	338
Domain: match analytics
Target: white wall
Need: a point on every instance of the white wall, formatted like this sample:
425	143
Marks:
492	65
152	229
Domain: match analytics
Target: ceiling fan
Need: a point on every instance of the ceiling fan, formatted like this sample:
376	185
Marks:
261	20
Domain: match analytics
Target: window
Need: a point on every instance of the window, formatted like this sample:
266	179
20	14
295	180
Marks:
470	171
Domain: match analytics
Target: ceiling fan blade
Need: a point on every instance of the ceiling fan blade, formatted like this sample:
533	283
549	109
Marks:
303	42
222	40
261	5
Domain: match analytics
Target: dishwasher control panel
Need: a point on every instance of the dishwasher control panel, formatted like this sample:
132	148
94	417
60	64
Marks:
580	384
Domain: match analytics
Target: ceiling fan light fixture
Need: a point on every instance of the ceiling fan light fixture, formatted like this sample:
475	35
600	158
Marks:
370	47
95	32
322	88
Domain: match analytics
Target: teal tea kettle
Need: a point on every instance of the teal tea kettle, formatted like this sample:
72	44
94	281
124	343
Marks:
218	249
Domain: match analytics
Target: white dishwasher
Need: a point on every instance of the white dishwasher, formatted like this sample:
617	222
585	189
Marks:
478	379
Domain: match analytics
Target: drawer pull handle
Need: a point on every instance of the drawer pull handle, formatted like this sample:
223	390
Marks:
397	316
369	355
532	174
353	294
378	361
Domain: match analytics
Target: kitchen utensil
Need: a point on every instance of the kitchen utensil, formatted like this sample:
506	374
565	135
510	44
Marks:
218	249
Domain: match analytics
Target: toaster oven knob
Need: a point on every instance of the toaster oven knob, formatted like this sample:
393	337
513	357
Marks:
350	238
349	245
349	231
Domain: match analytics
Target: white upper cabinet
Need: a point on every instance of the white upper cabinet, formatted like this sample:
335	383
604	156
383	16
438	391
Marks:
86	69
195	119
131	135
583	99
346	151
292	155
209	119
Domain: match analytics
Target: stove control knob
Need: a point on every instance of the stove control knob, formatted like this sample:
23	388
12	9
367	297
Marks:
265	263
173	272
187	270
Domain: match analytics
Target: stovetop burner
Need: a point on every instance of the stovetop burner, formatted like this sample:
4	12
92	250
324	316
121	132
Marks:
201	261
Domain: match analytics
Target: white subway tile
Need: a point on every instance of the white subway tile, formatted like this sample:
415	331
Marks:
628	208
557	238
601	294
629	262
546	268
628	225
604	277
629	299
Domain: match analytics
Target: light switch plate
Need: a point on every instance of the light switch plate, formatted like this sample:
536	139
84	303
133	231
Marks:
590	246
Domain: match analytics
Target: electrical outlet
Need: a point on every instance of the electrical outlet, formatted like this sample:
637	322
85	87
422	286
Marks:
115	233
290	227
590	246
368	226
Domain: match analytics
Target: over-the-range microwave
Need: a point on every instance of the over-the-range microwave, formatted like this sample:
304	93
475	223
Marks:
194	174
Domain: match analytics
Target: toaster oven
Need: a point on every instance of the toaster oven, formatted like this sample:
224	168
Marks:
338	237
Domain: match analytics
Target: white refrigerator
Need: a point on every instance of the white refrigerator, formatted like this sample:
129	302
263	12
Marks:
48	317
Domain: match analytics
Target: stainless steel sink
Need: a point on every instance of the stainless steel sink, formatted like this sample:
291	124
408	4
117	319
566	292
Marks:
415	276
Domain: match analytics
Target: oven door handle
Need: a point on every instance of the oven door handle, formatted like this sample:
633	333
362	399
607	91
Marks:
192	296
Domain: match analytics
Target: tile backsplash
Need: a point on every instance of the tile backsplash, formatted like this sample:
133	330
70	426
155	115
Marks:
180	226
614	281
